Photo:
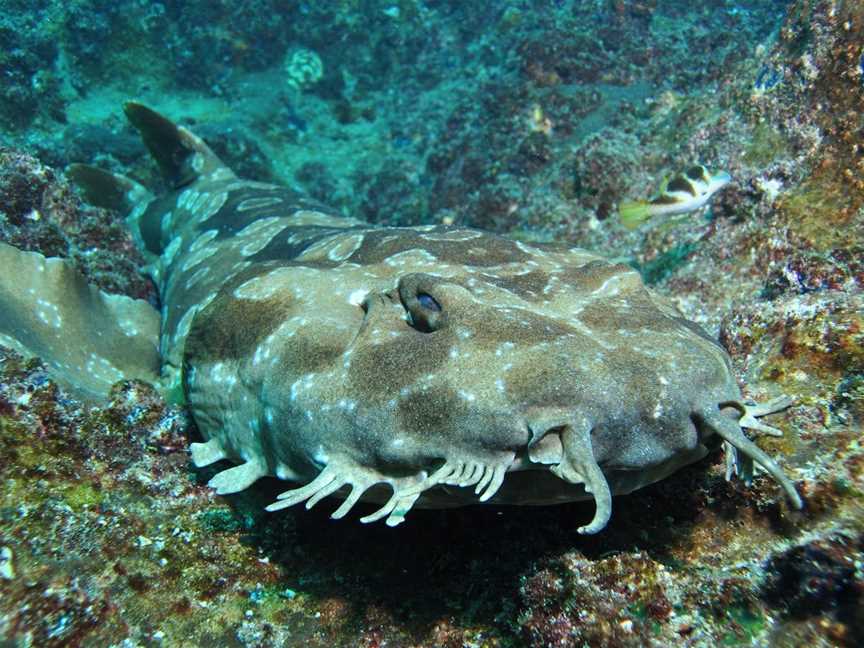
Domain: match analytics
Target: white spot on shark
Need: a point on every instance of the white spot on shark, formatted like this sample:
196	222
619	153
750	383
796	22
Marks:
129	327
258	203
356	297
185	197
466	395
223	375
262	353
310	217
101	367
197	257
264	286
257	235
199	274
212	206
185	324
504	347
171	251
452	235
345	247
49	313
203	239
415	257
347	404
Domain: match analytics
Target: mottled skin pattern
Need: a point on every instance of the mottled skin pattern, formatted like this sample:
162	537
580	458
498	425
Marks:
425	363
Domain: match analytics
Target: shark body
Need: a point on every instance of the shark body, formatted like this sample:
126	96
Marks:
412	365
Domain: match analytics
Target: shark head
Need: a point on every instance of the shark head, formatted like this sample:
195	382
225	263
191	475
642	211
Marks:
450	364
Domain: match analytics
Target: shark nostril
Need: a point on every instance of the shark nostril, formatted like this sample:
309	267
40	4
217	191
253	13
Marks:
543	422
545	446
564	441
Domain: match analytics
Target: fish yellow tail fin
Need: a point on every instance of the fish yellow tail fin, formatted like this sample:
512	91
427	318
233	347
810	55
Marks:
633	214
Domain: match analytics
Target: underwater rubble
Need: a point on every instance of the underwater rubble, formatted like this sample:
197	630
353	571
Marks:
533	123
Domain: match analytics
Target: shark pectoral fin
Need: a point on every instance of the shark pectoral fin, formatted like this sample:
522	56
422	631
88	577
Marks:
113	191
88	339
204	454
238	478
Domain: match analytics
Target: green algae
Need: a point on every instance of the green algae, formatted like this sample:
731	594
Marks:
665	264
825	209
748	627
80	496
225	520
844	487
766	145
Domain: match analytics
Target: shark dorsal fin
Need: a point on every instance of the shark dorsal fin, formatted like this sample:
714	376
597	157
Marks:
105	189
181	155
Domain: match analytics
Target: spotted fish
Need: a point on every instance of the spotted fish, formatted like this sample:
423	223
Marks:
404	366
680	194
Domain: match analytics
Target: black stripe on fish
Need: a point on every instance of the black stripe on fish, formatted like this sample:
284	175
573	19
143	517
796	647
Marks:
665	199
680	183
698	172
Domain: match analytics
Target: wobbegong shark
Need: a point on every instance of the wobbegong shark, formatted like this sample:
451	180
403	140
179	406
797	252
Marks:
427	366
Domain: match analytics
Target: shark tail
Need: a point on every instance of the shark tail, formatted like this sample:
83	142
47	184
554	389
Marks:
89	339
633	214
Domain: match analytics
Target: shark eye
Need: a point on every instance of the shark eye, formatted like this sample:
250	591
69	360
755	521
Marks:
428	302
424	312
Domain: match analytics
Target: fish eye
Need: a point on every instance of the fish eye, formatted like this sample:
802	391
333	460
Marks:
428	302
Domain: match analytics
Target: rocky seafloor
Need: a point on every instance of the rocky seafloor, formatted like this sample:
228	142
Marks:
535	119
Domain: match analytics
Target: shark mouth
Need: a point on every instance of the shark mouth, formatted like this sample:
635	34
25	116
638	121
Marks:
565	446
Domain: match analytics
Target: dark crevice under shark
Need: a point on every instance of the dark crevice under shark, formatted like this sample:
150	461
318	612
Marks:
428	366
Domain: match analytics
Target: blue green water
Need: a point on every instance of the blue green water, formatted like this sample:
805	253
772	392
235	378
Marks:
396	111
